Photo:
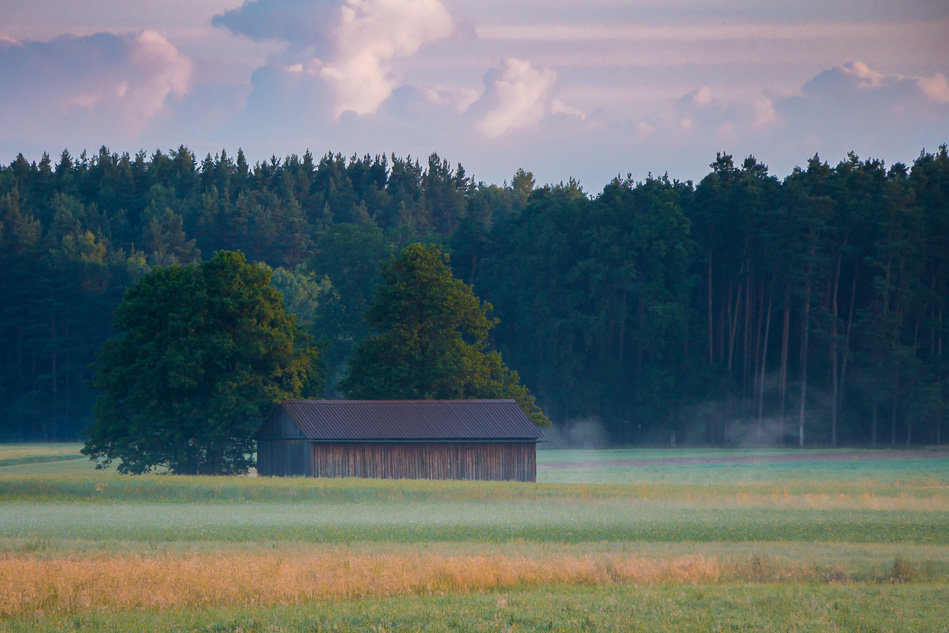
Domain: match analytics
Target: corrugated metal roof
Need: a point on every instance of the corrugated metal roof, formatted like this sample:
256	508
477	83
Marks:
411	420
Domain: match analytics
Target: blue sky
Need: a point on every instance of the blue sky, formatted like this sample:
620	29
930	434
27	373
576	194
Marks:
588	90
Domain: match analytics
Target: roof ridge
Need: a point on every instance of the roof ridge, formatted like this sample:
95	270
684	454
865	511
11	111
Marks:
346	402
413	420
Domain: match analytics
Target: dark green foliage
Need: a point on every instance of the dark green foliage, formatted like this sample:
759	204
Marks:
347	257
432	339
593	297
202	353
744	309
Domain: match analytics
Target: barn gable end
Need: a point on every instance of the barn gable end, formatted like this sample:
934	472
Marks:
395	439
282	448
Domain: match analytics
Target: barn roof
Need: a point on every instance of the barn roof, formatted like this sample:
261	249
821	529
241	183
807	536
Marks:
411	420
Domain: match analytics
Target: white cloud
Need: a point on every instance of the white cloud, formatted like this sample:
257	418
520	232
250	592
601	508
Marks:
644	130
863	76
851	107
352	45
103	81
935	87
371	34
559	107
516	95
859	94
159	72
763	112
701	97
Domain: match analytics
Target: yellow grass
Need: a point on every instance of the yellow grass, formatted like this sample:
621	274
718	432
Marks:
31	585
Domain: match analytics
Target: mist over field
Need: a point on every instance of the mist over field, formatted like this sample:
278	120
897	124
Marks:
701	529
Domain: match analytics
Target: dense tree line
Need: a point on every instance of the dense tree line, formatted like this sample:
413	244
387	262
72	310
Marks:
743	308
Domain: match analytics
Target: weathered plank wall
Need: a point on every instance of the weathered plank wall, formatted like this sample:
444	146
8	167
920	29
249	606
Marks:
284	457
508	461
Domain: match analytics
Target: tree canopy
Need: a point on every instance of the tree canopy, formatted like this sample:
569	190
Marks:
202	353
432	339
745	308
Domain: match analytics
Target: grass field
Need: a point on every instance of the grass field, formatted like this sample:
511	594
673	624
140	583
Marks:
644	540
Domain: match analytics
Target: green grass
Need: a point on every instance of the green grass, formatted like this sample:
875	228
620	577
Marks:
17	454
885	501
889	471
765	608
872	535
463	521
892	501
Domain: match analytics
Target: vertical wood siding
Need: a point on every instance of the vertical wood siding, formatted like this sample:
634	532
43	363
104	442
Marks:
509	461
282	458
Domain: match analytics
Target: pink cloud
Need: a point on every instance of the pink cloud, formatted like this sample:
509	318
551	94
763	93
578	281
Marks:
516	95
99	82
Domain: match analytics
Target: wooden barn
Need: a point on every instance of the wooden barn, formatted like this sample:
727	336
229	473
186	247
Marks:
399	439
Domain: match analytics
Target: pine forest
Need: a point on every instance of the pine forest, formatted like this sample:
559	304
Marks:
745	309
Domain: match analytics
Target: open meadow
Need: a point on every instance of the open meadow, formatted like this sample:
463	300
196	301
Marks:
632	540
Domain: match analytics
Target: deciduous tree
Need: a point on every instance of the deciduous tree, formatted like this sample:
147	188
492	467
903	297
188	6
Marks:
202	353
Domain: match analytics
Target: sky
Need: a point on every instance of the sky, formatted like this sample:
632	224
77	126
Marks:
583	89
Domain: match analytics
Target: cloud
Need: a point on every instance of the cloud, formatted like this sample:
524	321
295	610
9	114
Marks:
935	87
701	97
861	99
848	104
685	31
862	75
301	23
763	112
351	45
159	71
701	113
103	81
516	95
371	34
427	103
559	107
850	107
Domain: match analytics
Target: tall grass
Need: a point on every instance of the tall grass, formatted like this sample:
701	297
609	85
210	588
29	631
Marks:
137	581
77	543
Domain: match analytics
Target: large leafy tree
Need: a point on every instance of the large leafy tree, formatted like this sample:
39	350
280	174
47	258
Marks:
202	353
432	339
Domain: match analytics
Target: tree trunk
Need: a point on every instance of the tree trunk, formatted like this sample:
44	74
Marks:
894	406
640	347
874	423
711	335
846	358
783	373
833	351
732	325
805	334
762	368
746	397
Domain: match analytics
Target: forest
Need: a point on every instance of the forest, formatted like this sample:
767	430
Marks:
745	309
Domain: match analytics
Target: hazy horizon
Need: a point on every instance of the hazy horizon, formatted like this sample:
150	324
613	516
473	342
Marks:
585	90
